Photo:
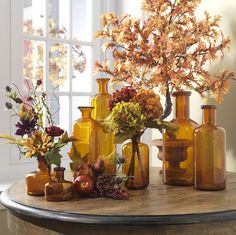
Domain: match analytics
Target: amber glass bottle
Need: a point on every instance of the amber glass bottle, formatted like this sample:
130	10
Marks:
178	149
136	166
85	130
58	189
209	152
100	102
35	181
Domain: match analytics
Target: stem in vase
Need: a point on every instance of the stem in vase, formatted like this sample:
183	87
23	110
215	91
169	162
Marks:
132	164
140	164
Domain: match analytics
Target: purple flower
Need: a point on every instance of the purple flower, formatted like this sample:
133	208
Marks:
54	131
26	126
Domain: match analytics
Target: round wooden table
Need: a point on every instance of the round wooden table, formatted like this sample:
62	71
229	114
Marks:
159	209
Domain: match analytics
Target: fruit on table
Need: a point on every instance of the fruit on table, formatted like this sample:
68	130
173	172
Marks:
99	166
84	185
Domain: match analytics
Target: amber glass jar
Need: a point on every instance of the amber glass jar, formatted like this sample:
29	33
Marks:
35	181
58	189
85	130
136	165
209	152
178	162
100	102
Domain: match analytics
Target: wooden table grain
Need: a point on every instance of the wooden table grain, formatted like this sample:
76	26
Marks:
159	209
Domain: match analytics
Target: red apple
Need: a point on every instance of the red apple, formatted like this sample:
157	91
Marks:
84	185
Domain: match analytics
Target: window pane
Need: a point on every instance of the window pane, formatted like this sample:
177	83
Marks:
76	102
59	20
58	65
59	106
34	17
82	20
33	59
82	81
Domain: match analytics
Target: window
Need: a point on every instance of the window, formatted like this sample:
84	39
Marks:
59	48
52	40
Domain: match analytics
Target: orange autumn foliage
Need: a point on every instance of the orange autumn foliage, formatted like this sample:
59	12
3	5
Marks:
167	50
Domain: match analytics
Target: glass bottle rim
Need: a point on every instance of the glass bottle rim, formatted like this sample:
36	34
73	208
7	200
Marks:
59	168
181	93
85	107
102	79
208	106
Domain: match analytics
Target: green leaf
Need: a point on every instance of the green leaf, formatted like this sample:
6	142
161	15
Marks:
120	137
107	124
53	156
159	124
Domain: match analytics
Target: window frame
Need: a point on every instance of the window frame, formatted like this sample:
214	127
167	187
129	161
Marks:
15	168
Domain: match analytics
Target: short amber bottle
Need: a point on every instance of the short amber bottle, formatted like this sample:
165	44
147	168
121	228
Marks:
136	165
210	152
85	130
35	181
58	189
100	102
178	164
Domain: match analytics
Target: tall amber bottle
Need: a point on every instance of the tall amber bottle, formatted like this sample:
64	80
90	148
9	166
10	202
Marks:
100	102
35	181
209	152
85	130
136	166
178	165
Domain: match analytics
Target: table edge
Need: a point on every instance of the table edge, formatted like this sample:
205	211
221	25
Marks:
176	219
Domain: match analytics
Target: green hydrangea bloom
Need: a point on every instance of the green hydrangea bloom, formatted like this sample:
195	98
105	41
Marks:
127	120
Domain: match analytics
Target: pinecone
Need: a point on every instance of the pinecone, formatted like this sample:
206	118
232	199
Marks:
150	103
111	187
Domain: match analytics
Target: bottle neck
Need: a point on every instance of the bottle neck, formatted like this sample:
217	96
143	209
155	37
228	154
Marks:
102	85
86	111
209	115
59	173
42	165
181	106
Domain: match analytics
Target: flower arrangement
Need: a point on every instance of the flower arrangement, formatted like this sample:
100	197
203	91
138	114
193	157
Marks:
132	112
168	50
32	138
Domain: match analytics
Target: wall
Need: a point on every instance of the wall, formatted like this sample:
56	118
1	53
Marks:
226	113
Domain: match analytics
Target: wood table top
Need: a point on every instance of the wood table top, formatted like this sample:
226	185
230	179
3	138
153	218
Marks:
158	204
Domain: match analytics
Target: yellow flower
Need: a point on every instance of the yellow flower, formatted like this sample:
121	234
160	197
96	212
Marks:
25	114
38	144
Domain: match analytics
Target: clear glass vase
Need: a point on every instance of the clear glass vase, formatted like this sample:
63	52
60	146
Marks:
178	161
210	152
136	165
58	189
35	181
100	102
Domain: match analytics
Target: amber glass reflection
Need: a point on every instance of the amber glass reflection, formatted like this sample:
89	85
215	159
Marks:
179	169
209	152
100	102
58	189
35	181
85	130
136	166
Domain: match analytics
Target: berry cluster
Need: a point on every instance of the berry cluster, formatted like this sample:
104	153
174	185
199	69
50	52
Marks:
125	94
111	187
